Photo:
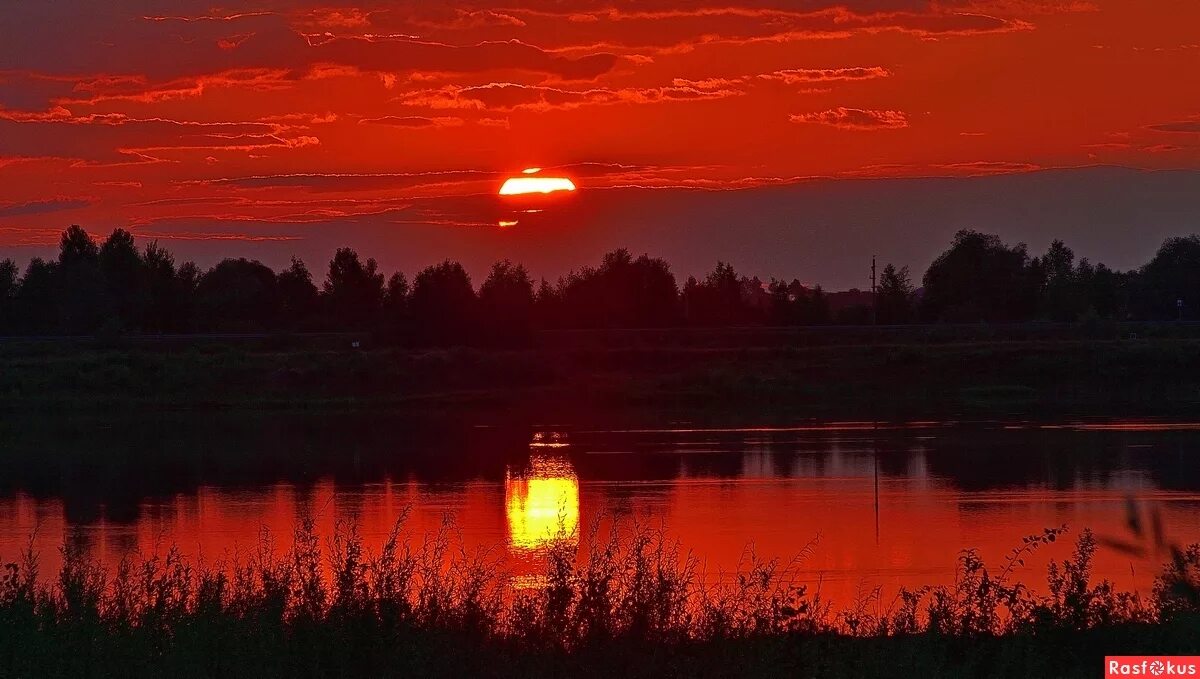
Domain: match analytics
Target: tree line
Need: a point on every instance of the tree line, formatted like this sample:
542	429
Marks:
115	287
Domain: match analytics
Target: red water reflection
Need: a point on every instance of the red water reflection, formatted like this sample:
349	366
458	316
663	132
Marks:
914	537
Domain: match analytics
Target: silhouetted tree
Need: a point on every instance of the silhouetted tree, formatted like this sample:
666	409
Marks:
980	279
1171	277
1063	298
622	292
77	249
656	295
794	304
719	300
1106	290
817	307
189	277
395	306
168	301
238	295
395	297
353	290
121	268
547	305
37	298
506	303
783	309
297	295
83	302
9	280
977	279
895	298
443	305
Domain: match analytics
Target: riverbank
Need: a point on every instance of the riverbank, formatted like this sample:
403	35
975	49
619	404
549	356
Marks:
902	377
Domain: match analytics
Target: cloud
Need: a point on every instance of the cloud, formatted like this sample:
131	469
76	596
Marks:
1179	126
980	168
464	36
541	98
674	27
37	207
461	19
855	119
356	181
214	236
118	137
115	38
414	122
794	76
817	75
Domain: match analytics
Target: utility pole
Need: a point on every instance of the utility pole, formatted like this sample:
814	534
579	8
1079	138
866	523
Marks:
874	295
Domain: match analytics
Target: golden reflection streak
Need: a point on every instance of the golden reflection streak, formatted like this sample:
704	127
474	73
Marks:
542	504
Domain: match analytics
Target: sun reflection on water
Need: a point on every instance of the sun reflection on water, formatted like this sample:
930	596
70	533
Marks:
542	502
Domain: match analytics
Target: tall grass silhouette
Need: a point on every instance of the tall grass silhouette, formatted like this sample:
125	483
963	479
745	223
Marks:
631	601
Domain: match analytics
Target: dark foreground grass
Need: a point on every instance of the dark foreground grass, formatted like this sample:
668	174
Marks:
634	605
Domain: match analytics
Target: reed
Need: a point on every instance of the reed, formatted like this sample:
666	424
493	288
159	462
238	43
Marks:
630	601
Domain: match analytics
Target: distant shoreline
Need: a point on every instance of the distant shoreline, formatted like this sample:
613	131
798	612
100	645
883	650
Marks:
861	372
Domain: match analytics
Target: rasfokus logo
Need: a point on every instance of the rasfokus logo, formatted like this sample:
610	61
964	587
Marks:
1151	665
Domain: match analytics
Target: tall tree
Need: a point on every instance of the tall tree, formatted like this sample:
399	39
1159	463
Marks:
1168	286
82	298
396	295
816	308
980	279
121	267
77	249
297	295
655	293
1062	297
353	290
895	297
547	304
506	303
9	284
1106	290
38	298
443	305
622	292
719	300
394	323
168	304
783	304
237	295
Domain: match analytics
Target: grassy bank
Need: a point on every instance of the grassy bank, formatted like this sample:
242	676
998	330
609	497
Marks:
1076	375
635	605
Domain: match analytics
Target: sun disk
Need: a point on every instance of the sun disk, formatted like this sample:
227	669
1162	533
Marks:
516	186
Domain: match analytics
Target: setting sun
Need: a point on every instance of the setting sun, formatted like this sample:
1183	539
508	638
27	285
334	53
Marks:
516	186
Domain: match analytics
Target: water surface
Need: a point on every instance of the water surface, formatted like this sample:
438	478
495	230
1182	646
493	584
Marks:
887	504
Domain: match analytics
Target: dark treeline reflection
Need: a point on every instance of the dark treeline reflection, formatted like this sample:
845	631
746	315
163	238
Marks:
115	287
108	470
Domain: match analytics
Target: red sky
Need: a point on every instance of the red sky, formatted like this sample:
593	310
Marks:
278	127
